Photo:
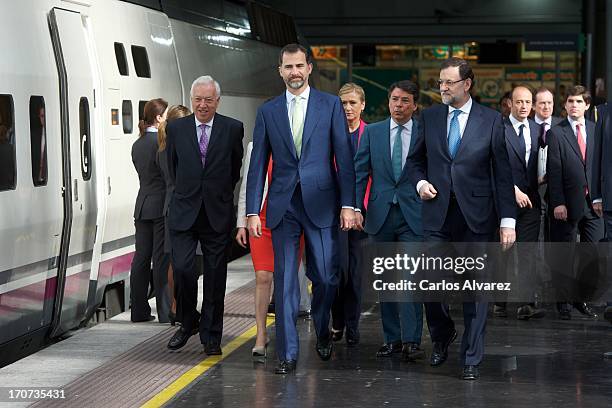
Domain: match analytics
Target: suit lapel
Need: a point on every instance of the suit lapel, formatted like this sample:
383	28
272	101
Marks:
571	139
215	135
191	123
443	132
282	121
513	139
590	145
471	128
312	116
385	148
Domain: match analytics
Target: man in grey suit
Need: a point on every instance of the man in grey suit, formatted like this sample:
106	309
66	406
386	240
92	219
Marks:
394	208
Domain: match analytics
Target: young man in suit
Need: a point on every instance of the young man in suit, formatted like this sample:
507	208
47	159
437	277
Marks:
460	167
204	152
304	130
394	208
522	135
570	164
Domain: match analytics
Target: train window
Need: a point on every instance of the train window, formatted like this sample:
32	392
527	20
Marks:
8	168
121	59
141	105
141	61
127	116
85	139
38	140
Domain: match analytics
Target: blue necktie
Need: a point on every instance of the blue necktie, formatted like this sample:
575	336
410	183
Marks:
396	156
454	134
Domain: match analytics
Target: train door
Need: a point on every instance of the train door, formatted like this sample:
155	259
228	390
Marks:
77	98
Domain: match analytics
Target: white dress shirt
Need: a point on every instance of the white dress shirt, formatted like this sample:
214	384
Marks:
516	124
209	126
305	95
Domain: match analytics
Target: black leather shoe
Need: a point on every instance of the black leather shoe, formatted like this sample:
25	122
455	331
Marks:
336	335
499	311
608	313
389	348
471	372
412	352
352	337
304	314
213	349
149	318
180	337
565	311
527	312
286	367
324	349
585	309
440	350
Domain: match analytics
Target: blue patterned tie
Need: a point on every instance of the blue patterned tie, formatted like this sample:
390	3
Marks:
396	156
454	134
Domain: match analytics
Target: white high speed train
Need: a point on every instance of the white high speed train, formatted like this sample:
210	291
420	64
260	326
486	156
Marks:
74	75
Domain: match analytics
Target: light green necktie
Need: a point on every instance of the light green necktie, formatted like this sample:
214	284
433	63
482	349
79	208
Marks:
297	124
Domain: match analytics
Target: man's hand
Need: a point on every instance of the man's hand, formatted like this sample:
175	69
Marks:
427	191
598	208
358	221
254	226
560	213
522	200
507	236
347	219
241	237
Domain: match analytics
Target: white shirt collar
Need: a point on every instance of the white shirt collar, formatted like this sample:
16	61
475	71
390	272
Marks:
515	122
466	108
304	95
151	129
209	123
393	124
573	123
540	121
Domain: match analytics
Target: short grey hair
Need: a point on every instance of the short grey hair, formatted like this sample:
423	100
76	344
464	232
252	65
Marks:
205	80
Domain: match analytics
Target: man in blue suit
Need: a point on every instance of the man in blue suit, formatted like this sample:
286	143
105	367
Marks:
304	130
460	167
394	208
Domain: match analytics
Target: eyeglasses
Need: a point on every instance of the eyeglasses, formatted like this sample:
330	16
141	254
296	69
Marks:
448	82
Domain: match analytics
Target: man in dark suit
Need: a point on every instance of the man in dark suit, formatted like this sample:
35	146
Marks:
570	165
602	186
460	167
522	142
304	130
204	153
394	208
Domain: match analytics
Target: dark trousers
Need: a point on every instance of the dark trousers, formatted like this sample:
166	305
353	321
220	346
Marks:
524	263
214	261
149	247
401	321
321	268
346	308
441	325
570	286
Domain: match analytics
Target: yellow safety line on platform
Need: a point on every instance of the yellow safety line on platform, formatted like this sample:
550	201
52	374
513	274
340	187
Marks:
188	377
